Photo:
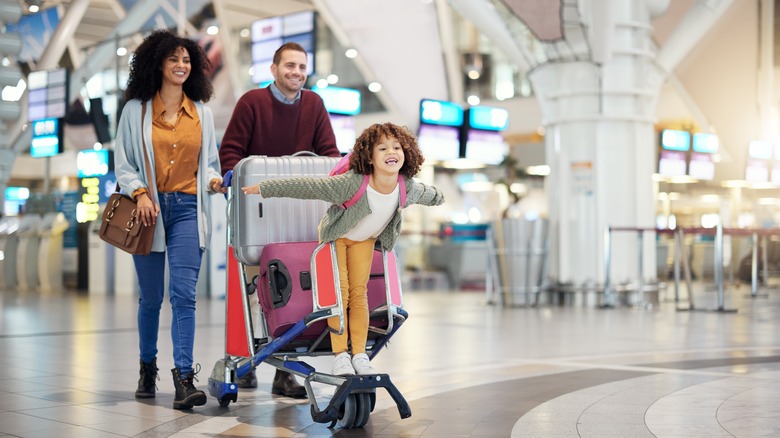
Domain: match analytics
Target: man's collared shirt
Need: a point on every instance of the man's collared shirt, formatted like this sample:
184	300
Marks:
281	97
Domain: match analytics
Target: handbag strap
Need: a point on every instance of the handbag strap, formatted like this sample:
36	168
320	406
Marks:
146	156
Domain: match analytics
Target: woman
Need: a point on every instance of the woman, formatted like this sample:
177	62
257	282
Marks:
165	119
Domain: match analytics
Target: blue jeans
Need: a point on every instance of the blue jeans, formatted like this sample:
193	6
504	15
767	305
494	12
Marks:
179	214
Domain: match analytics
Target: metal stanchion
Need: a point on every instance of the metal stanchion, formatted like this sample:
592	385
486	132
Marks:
754	267
677	249
640	284
608	293
719	268
766	259
718	252
686	266
491	262
758	244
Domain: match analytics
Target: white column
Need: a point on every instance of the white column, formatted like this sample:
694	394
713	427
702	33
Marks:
600	144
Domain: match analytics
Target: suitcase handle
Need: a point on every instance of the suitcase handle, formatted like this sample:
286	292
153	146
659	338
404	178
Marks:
281	286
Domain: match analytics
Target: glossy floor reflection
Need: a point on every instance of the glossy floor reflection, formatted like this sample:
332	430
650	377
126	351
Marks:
468	369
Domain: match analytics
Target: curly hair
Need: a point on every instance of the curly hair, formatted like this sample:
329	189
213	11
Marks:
360	160
146	65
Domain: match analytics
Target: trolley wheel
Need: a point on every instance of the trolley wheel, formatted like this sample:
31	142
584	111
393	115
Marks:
364	407
347	412
225	400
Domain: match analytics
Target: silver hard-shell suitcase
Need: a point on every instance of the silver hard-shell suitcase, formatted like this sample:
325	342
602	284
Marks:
271	220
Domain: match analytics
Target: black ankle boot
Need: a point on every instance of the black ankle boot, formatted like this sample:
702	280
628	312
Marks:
147	383
187	395
248	381
285	384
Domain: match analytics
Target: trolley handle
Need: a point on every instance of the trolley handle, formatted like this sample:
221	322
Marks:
227	179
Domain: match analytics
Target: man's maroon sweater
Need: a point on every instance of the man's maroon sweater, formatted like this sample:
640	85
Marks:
261	125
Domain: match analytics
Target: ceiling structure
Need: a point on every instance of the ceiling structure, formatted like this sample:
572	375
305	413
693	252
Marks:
400	41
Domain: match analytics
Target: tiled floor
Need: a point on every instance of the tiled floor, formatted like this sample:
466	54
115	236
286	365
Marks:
68	368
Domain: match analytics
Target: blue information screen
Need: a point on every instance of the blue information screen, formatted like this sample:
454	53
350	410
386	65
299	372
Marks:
674	140
440	112
340	100
705	143
92	163
487	118
46	138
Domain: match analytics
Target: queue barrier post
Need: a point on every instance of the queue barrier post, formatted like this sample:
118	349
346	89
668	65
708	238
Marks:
609	300
610	294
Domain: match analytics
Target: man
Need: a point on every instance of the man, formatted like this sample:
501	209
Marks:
281	119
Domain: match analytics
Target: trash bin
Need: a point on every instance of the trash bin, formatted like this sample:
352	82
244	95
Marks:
520	254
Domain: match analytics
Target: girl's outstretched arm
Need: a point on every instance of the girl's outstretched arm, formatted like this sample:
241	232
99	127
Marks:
251	190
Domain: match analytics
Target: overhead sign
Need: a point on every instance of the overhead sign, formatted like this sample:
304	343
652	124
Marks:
269	34
93	163
340	100
46	138
441	112
706	143
674	140
47	94
488	118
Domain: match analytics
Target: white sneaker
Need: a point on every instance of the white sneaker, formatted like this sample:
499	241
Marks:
342	365
362	365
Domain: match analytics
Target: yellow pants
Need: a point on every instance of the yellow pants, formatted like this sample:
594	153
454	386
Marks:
354	260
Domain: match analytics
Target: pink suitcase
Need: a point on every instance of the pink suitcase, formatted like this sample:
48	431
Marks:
284	288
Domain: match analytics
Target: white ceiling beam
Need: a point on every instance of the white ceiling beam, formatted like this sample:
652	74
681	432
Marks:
484	16
697	22
229	51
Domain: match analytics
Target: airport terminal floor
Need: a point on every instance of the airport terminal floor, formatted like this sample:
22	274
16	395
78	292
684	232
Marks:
69	366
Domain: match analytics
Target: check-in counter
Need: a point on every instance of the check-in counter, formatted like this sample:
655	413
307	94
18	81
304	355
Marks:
27	260
9	244
51	231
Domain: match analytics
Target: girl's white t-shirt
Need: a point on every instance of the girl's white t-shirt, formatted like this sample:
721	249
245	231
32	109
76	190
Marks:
382	209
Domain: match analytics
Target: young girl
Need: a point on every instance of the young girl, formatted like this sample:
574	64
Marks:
383	151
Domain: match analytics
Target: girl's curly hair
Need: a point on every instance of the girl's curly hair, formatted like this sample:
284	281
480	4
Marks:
360	160
146	67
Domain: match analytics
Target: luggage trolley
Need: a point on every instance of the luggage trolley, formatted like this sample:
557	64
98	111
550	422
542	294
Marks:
295	301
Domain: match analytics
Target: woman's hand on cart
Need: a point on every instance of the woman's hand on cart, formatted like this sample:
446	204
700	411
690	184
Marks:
217	185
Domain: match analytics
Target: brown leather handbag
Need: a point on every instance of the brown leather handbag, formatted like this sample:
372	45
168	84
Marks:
121	225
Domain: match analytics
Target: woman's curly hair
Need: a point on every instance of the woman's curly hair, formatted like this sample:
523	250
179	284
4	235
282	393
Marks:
360	160
146	67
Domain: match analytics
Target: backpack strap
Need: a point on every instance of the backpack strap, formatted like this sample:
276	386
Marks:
357	194
364	185
401	191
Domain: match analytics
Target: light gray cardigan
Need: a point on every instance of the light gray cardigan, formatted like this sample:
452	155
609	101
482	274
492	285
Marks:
131	171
